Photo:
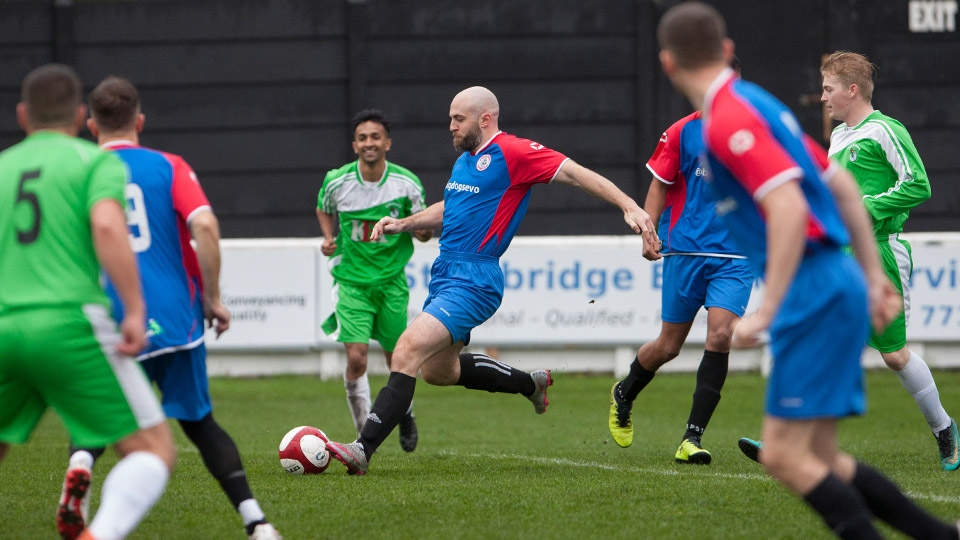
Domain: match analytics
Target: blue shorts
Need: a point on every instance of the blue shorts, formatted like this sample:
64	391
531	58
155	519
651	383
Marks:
181	377
465	290
692	281
817	339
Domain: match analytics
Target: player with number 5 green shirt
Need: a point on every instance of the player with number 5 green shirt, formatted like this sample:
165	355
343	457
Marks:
53	180
61	224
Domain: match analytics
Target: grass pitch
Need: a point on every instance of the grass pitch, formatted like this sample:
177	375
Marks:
488	467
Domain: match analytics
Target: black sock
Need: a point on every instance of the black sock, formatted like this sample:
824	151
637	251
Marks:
221	456
636	380
710	378
842	508
388	409
482	372
888	503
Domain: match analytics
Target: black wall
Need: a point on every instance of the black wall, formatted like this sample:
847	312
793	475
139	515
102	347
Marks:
257	94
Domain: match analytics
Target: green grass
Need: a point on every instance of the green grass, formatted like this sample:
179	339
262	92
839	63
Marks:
488	467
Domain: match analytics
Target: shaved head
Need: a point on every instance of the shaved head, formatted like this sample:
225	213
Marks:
474	118
477	100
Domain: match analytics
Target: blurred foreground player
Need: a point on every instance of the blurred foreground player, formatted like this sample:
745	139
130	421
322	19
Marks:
792	211
58	345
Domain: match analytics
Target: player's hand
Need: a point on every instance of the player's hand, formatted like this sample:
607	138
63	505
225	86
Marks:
386	225
885	302
423	236
751	332
217	316
640	222
133	334
652	252
329	247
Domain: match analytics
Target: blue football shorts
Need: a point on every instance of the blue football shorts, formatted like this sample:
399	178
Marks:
817	339
181	377
692	281
465	290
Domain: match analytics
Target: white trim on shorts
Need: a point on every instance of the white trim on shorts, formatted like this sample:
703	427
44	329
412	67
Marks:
904	266
133	382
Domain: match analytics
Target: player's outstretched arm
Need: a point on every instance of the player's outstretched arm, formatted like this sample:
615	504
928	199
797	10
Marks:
205	229
574	174
885	301
108	227
429	219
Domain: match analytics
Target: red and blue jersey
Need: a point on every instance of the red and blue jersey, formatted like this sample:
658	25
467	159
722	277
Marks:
489	191
162	196
754	145
689	222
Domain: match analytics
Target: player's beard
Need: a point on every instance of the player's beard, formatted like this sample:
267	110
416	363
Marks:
468	141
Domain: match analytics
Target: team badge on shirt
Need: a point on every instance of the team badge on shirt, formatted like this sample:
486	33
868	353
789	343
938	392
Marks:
483	162
741	141
854	150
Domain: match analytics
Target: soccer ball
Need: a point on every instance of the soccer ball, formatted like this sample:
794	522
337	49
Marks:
303	451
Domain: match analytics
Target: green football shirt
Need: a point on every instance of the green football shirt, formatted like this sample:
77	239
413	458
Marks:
881	156
359	205
48	184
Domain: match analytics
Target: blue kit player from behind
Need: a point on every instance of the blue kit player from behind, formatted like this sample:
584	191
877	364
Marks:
165	208
702	267
792	211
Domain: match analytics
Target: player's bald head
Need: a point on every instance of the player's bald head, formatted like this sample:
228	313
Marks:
694	33
477	100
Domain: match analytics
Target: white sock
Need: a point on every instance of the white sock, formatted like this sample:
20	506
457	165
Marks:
250	511
131	489
917	379
358	398
81	458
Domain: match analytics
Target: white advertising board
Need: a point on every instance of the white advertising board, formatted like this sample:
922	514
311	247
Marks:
270	288
935	288
587	290
578	291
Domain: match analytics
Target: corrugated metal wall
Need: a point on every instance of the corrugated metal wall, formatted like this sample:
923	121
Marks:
257	94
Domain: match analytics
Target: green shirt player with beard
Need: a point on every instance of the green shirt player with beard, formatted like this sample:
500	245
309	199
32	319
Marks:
880	154
370	285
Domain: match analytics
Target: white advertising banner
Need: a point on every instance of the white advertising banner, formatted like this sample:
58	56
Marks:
586	290
934	299
270	288
576	290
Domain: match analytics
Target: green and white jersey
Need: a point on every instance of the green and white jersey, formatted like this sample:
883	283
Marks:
48	184
881	156
359	205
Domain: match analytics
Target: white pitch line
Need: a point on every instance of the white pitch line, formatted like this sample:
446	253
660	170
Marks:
669	472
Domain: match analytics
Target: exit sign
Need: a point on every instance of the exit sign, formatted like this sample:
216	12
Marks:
933	15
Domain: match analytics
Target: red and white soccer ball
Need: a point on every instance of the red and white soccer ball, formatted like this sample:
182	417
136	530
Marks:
303	451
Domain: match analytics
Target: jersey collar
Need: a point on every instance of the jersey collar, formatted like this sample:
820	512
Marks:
486	144
715	87
113	145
